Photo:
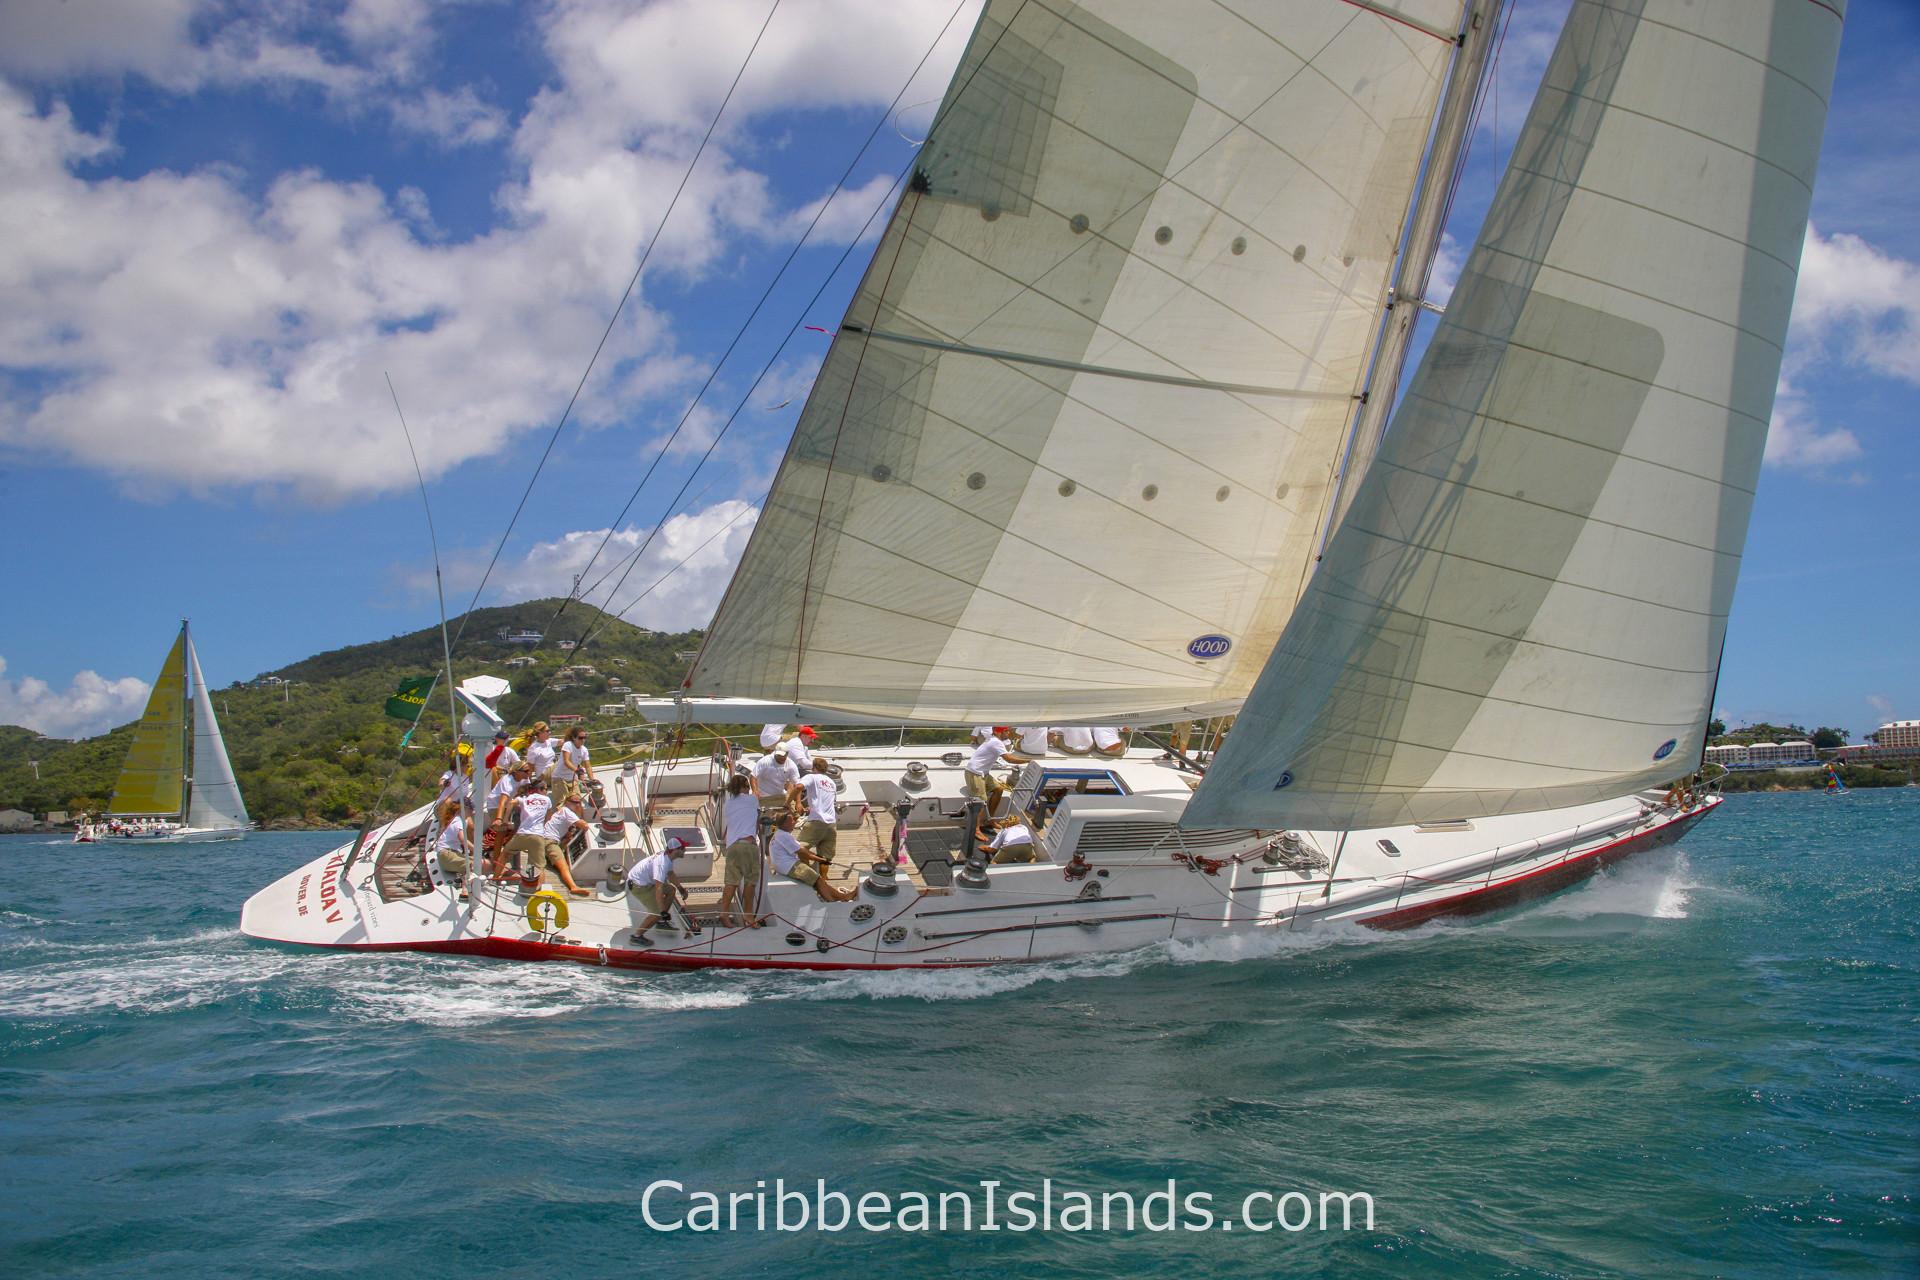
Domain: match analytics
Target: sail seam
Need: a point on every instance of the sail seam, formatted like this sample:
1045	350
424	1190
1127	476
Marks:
1107	371
1528	573
1793	268
1548	506
1722	143
1703	38
1582	276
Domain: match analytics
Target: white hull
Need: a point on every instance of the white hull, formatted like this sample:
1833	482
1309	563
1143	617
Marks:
1124	898
174	835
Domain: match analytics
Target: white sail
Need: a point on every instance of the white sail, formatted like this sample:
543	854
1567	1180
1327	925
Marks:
1525	605
1068	456
214	801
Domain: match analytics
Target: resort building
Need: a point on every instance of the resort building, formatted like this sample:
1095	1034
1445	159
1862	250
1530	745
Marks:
1899	734
1728	754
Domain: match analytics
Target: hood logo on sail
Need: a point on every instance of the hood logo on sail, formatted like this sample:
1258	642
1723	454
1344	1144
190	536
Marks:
1208	646
1286	780
1666	748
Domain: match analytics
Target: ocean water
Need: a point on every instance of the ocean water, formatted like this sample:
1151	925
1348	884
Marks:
1704	1063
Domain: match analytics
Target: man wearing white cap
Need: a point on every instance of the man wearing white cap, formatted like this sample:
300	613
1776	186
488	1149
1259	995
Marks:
773	776
653	886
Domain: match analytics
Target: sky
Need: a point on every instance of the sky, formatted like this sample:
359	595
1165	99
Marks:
225	226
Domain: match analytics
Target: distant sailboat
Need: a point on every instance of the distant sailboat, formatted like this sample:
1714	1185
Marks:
172	789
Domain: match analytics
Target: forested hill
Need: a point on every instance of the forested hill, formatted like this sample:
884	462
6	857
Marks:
311	742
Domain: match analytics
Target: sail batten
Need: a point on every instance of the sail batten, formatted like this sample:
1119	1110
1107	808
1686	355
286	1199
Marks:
1068	452
1526	602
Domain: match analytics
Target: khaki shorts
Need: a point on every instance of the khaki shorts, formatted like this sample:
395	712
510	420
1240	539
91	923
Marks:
743	862
1014	853
803	873
818	836
975	785
647	896
453	862
541	850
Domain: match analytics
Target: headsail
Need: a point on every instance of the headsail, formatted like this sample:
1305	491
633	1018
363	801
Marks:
215	800
150	778
1069	453
1525	606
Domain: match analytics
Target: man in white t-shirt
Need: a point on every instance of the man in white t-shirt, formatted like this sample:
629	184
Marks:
1031	740
770	735
978	777
540	752
794	861
1075	741
800	749
740	829
773	776
654	885
820	832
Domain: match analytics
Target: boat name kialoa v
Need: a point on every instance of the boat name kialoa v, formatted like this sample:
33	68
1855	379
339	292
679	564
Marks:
176	785
1112	435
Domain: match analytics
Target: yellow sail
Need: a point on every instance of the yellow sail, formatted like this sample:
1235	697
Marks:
151	779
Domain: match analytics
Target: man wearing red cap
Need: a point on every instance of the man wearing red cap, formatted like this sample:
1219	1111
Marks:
980	767
800	749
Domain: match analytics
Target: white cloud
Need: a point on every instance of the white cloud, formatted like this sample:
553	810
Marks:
1882	705
1854	306
89	705
1859	304
675	585
172	327
1447	262
1795	440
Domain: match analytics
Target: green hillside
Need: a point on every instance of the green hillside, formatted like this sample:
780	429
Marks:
318	749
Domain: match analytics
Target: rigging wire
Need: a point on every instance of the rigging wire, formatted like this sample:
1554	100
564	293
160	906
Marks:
746	325
554	437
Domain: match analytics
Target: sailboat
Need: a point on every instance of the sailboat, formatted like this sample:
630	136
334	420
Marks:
177	785
1112	434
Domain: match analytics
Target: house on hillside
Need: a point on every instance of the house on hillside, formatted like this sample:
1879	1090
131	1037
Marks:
567	645
17	820
521	661
611	708
521	636
565	718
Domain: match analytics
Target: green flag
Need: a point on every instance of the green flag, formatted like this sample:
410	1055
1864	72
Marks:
410	699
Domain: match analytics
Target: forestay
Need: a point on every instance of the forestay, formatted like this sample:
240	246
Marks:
215	800
150	779
1526	605
1069	453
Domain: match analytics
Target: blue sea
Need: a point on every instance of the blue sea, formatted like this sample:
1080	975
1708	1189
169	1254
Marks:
1705	1063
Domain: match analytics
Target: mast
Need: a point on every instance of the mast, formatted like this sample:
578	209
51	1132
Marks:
1426	223
186	725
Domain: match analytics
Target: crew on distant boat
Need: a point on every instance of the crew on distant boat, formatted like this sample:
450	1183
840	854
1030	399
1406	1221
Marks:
817	793
740	828
795	861
540	752
654	885
774	776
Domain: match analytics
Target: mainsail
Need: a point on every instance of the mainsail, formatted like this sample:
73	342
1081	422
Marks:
215	799
151	778
1069	454
1525	605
